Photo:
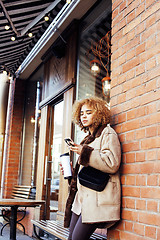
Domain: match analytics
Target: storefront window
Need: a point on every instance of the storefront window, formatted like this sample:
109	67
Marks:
94	28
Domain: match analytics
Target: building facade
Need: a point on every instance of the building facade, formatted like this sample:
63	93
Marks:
46	97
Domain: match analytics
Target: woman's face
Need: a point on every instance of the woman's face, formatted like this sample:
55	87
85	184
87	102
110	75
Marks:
87	115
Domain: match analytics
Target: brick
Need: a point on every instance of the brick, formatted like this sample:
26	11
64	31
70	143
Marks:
140	48
130	54
131	6
130	157
150	64
149	218
140	133
151	155
141	180
140	156
115	13
150	167
113	234
140	9
151	192
152	180
127	235
140	204
150	232
130	94
130	180
132	25
127	147
152	205
150	97
129	226
121	117
130	64
151	108
151	131
130	35
121	97
131	169
139	229
140	69
140	28
129	203
130	125
150	42
132	44
122	6
150	11
130	215
130	74
149	3
158	233
150	21
117	19
151	51
116	4
131	16
131	191
150	143
130	136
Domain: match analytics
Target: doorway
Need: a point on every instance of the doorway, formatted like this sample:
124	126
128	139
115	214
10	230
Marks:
52	163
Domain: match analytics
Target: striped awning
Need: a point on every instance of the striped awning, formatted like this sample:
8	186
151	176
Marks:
23	17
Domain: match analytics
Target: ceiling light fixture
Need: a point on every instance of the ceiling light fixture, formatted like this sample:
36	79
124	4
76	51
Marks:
13	38
46	18
7	27
30	34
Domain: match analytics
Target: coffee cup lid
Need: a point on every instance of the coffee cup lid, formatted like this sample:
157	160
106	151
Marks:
65	154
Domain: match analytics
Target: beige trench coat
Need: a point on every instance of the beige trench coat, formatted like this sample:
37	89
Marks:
103	153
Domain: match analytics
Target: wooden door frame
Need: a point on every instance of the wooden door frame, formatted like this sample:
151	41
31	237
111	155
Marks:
67	131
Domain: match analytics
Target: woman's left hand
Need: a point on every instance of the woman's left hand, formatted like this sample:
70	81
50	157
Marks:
76	148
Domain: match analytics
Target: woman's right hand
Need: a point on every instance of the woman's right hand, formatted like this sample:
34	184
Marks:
61	168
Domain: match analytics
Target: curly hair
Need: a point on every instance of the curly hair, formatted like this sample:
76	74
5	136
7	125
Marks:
101	116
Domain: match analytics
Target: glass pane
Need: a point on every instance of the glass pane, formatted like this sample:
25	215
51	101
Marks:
93	29
93	51
55	153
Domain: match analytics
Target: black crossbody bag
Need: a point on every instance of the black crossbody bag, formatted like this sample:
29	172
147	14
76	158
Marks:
93	178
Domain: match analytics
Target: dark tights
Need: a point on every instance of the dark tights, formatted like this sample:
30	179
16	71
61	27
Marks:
79	230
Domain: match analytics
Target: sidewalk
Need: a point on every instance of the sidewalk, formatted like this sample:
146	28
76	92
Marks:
20	235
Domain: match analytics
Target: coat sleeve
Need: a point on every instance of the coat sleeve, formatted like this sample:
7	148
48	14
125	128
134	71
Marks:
106	157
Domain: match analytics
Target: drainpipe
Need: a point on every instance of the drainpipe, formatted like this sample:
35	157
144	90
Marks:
35	142
7	131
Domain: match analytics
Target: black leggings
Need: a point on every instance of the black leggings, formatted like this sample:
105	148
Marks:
79	230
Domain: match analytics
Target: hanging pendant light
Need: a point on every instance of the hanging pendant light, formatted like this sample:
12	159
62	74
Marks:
95	67
106	85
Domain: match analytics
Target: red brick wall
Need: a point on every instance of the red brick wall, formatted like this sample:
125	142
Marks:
14	149
135	104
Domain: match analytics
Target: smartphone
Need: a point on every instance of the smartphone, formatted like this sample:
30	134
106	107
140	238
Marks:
69	141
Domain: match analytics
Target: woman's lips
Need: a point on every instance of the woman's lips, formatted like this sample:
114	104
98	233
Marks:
84	121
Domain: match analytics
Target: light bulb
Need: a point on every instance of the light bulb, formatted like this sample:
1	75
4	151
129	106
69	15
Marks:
46	18
13	38
7	27
30	34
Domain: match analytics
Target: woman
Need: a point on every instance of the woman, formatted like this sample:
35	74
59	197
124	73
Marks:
87	209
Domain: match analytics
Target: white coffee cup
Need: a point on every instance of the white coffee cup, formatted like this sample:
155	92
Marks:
65	160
